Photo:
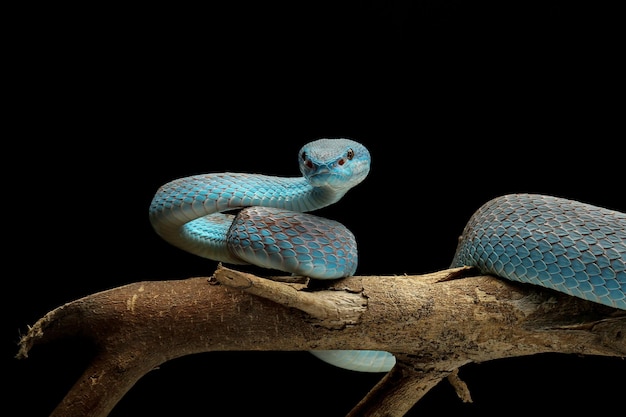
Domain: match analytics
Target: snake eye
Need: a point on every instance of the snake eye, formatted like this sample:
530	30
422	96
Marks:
307	161
349	156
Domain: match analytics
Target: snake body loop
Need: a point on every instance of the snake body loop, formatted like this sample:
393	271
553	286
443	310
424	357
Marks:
565	245
272	231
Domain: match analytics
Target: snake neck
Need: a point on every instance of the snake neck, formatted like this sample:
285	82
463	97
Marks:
319	197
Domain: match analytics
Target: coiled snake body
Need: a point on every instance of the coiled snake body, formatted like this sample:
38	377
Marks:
565	245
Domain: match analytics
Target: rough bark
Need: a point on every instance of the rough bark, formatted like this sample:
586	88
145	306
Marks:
434	323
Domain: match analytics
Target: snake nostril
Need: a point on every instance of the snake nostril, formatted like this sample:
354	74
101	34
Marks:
341	161
308	163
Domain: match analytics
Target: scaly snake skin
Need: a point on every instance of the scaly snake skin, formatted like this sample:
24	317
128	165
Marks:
565	245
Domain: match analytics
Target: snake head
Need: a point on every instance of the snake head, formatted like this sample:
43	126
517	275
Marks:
336	163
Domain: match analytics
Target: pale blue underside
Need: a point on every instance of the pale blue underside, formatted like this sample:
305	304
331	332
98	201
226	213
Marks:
358	360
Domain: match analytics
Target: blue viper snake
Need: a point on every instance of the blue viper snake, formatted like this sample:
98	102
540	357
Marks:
241	218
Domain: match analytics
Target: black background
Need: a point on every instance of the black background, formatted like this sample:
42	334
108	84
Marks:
457	102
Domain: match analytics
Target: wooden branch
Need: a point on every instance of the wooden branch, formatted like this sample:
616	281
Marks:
433	324
333	309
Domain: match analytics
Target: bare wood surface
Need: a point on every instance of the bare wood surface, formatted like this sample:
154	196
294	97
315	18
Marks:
433	324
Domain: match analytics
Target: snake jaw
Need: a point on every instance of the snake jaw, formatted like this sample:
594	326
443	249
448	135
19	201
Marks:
337	179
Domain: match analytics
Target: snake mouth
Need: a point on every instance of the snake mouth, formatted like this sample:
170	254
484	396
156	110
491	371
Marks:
325	177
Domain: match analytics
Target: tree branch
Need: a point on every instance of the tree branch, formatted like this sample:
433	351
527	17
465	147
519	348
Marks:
334	309
432	323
